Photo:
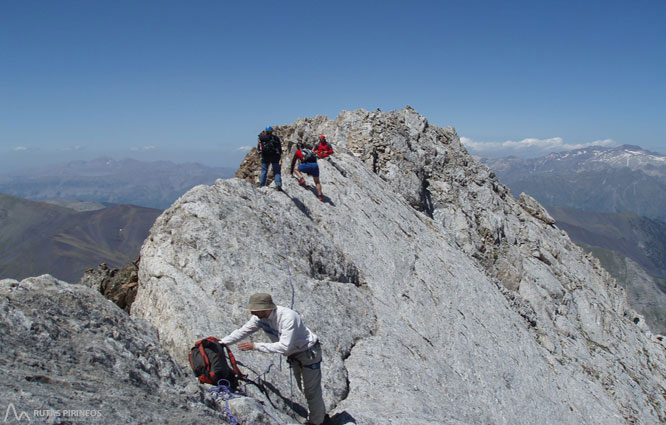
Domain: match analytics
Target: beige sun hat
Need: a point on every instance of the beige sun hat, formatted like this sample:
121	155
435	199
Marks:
261	301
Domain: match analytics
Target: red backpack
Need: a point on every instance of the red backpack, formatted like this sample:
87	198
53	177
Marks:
209	363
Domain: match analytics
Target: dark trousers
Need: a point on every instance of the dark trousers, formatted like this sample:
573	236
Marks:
276	173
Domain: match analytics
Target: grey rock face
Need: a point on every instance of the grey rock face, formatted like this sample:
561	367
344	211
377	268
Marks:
535	209
438	297
71	356
644	294
631	248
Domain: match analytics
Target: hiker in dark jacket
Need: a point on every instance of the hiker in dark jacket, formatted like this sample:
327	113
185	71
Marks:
308	165
323	149
270	148
290	337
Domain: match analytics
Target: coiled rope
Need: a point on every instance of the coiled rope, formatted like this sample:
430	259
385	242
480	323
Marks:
223	392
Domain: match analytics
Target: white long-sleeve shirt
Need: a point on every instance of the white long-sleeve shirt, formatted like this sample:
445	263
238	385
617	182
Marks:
284	328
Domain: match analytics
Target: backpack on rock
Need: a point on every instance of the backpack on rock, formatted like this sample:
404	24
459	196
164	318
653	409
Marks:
209	363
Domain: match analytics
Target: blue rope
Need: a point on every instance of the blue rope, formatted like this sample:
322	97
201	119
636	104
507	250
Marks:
271	416
223	392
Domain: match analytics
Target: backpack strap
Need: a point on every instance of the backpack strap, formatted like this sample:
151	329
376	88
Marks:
205	358
234	364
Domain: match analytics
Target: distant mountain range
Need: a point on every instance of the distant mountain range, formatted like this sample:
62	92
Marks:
40	238
625	178
108	181
612	202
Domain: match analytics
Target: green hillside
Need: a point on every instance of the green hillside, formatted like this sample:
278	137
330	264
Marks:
21	220
639	238
40	238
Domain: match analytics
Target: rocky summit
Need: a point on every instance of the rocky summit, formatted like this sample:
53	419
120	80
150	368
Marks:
437	296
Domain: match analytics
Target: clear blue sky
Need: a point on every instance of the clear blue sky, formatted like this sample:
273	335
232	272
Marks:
197	80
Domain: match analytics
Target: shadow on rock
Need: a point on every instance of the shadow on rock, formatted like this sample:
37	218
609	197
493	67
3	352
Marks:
341	418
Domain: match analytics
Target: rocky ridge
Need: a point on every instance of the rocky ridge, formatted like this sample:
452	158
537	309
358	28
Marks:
439	298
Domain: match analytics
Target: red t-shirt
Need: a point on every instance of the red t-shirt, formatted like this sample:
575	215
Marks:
323	149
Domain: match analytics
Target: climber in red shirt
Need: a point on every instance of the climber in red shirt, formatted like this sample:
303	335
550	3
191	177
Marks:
308	165
322	148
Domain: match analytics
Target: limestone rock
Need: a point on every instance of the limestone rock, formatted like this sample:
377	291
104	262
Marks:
438	297
65	348
535	209
250	167
118	285
644	294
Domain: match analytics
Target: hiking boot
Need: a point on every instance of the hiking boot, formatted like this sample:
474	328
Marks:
278	188
301	182
321	198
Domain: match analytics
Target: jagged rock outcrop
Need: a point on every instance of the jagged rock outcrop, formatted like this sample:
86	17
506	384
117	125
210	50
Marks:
250	167
439	298
71	356
118	285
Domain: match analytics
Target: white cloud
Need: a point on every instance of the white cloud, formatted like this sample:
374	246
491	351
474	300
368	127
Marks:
244	149
142	148
20	149
528	146
71	148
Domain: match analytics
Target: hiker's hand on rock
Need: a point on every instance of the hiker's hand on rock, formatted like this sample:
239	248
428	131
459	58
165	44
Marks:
246	346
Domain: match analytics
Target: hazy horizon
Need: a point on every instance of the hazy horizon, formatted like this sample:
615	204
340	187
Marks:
13	161
171	80
226	159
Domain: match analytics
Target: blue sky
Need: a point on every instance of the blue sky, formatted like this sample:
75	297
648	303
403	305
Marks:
196	81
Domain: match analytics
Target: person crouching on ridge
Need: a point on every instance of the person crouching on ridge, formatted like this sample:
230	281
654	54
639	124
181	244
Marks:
270	147
308	166
290	337
323	149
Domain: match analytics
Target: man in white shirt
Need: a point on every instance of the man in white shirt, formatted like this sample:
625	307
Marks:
290	337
